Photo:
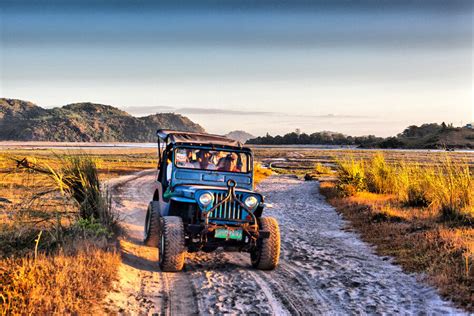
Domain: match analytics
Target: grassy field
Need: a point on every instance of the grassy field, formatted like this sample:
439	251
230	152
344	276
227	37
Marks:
52	251
57	251
416	206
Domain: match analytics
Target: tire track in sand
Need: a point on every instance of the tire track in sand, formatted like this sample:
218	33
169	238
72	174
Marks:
142	288
323	269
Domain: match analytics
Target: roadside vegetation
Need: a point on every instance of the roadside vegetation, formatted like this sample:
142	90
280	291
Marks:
57	252
260	173
421	214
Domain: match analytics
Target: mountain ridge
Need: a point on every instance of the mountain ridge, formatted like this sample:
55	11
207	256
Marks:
83	122
241	136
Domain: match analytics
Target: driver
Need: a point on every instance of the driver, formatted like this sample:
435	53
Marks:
204	161
230	163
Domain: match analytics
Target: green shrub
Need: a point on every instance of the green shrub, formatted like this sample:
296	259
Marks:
89	227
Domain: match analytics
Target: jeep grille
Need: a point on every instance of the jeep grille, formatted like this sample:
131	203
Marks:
228	210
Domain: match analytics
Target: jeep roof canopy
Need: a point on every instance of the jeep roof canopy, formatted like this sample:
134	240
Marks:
179	137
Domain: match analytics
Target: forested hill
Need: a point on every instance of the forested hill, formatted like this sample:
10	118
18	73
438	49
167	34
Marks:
426	136
83	122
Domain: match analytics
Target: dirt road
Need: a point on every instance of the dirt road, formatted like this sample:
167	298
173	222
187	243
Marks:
323	269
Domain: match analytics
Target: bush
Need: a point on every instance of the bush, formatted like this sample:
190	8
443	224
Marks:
351	177
90	228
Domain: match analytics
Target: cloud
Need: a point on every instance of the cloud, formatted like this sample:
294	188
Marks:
214	111
145	110
191	110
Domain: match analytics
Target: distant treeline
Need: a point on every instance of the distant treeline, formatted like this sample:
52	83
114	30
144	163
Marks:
319	138
425	136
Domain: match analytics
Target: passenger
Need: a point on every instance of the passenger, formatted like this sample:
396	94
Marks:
183	159
230	163
189	155
169	169
204	161
220	159
216	156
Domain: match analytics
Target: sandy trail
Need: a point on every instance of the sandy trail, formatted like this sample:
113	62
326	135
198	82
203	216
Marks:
323	269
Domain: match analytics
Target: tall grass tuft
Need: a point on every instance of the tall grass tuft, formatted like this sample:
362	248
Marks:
380	176
351	176
453	190
78	179
413	184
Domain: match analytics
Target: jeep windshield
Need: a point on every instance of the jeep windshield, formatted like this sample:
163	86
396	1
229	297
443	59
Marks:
215	160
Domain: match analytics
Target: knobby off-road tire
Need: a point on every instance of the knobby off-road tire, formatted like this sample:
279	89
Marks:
267	254
152	227
172	248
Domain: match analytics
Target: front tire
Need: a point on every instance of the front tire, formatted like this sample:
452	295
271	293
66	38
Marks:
152	227
172	248
267	252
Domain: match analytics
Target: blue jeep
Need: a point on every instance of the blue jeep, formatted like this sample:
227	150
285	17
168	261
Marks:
204	199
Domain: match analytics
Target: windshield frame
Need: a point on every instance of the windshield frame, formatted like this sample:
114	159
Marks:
212	148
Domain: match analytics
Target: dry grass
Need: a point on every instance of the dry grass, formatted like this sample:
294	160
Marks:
321	169
447	187
65	283
71	266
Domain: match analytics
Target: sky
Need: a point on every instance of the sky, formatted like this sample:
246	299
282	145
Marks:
356	67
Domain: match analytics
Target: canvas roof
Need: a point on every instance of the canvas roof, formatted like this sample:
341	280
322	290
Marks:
177	137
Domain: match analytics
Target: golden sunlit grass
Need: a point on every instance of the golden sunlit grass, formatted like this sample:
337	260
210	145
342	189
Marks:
55	222
447	186
260	173
63	283
421	215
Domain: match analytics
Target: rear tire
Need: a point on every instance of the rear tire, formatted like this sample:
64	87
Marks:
267	253
152	227
172	248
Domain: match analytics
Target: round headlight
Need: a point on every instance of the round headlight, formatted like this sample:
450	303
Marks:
251	201
206	199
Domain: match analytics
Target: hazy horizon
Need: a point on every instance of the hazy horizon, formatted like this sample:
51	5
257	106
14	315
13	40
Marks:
371	68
